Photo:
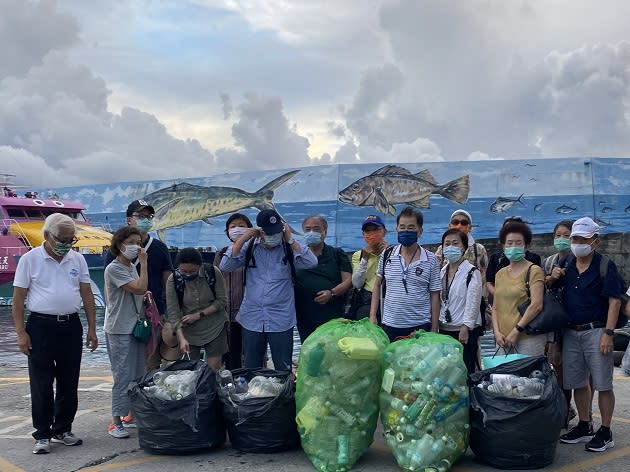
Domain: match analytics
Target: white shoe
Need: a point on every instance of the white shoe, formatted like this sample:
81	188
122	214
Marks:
117	431
42	446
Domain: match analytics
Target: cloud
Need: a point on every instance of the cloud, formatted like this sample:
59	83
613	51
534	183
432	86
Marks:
226	103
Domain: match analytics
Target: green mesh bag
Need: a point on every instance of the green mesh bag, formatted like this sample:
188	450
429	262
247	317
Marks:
338	380
424	401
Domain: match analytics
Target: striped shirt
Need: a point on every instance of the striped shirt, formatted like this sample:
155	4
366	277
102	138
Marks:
412	307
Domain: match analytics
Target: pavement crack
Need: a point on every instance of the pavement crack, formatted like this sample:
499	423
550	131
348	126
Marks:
105	459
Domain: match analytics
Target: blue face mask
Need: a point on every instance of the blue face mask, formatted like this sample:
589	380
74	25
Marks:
273	240
452	253
312	238
189	277
407	238
514	253
144	225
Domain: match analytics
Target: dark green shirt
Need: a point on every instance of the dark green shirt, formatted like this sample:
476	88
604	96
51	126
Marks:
325	276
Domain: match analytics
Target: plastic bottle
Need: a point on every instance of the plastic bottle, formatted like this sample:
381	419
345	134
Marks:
367	414
359	348
414	410
398	404
159	377
427	412
388	379
315	358
241	385
342	449
340	413
310	415
225	378
456	376
447	411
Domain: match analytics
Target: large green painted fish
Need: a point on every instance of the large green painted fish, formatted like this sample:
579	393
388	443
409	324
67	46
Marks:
184	203
392	185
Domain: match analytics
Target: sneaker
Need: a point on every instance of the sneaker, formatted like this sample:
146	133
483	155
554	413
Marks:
68	438
117	431
577	434
600	442
42	446
128	422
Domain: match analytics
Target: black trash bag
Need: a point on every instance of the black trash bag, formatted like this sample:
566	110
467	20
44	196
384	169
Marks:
184	426
516	433
264	424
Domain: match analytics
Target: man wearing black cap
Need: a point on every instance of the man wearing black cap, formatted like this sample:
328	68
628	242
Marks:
160	266
267	314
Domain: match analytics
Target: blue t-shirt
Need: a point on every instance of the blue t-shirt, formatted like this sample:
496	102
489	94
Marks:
586	294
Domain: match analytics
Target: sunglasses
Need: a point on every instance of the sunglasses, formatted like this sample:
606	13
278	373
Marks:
65	241
456	222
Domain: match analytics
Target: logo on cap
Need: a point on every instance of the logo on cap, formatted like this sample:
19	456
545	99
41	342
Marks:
143	202
273	220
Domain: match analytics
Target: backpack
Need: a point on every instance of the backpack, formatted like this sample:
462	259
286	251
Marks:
386	258
287	259
180	283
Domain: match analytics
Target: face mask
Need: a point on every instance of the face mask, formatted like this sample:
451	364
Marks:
273	240
514	253
236	232
144	225
131	251
312	238
581	250
562	244
61	249
407	238
189	277
452	253
373	238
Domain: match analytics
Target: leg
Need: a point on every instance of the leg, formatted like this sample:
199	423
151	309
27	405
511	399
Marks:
575	371
254	346
69	340
215	350
606	401
236	345
123	365
582	401
41	376
281	345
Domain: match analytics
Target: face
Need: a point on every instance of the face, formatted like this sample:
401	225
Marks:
139	215
237	223
65	236
514	240
188	268
131	240
593	242
314	224
408	223
453	240
460	222
563	232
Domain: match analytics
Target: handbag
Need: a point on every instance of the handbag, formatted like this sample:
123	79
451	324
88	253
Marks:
492	361
360	297
142	329
552	317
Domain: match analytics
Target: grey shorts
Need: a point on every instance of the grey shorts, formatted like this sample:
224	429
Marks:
581	356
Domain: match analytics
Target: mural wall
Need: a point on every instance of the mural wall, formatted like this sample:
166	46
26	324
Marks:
192	212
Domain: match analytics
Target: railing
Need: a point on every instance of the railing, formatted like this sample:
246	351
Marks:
8	224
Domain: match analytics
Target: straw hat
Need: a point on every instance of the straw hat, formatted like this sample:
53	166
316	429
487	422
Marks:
169	347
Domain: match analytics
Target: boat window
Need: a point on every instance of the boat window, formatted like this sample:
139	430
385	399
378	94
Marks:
34	213
15	213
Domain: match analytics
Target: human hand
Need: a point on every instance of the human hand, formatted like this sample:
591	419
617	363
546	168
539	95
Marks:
323	296
92	340
142	256
183	344
606	344
24	343
463	334
512	338
500	339
191	318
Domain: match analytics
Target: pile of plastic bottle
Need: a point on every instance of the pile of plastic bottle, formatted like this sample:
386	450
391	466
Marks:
424	402
509	385
337	393
174	385
258	387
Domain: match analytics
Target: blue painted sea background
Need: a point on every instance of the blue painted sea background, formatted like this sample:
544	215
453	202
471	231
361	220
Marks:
597	187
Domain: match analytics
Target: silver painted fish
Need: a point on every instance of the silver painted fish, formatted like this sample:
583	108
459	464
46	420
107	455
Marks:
184	203
564	209
503	204
392	185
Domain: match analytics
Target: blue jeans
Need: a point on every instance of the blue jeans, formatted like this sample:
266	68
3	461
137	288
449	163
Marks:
393	332
255	345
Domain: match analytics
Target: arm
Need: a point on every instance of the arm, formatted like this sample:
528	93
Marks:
435	311
85	289
606	342
234	256
173	312
359	269
537	289
139	286
17	310
376	299
473	301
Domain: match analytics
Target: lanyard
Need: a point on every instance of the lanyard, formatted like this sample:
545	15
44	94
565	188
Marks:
405	270
447	286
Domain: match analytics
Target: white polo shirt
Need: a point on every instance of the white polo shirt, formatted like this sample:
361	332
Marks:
53	287
412	307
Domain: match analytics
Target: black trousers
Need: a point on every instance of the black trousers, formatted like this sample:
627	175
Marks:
55	356
470	348
233	358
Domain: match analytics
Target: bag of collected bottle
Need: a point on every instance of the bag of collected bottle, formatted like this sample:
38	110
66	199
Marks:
261	420
338	377
424	401
509	431
177	409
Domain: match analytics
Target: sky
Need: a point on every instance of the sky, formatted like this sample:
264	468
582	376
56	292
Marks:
124	90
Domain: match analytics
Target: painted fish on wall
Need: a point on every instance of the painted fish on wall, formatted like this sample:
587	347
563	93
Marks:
392	185
184	203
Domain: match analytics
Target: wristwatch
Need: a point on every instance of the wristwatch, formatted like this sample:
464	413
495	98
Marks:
332	293
519	328
609	332
201	314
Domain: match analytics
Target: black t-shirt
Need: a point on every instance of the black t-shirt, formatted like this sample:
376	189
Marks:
498	261
159	260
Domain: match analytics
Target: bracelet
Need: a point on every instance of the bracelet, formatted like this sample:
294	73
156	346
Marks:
519	328
201	314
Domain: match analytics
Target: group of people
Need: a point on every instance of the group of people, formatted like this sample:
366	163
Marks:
265	283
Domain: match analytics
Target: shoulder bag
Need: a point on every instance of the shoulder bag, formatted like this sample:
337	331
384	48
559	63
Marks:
552	317
142	329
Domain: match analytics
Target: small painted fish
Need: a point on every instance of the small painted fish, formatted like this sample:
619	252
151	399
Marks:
606	210
564	209
627	209
503	204
538	206
603	223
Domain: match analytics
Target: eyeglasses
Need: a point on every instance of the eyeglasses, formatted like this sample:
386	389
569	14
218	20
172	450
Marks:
148	217
73	241
456	222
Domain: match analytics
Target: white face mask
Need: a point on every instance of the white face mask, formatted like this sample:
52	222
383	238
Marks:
273	240
130	251
581	250
236	232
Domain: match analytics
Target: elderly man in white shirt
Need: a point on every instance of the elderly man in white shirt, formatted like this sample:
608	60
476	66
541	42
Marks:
51	281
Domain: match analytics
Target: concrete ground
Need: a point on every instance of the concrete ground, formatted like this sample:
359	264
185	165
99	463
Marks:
100	452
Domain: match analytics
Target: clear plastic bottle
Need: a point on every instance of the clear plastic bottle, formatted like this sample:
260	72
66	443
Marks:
388	379
342	449
315	358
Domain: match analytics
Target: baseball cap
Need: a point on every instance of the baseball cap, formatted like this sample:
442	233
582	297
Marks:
372	220
462	212
269	221
585	227
138	205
